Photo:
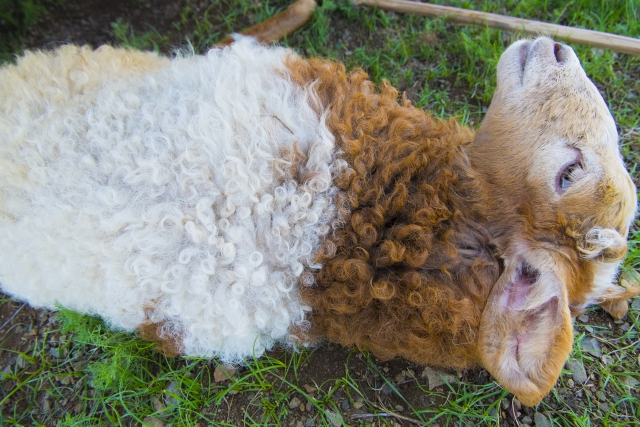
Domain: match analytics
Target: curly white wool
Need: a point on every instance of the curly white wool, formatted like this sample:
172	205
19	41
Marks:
142	189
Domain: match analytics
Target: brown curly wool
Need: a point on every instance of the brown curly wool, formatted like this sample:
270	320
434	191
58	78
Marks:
393	281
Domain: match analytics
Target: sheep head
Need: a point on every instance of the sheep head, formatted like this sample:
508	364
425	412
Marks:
559	202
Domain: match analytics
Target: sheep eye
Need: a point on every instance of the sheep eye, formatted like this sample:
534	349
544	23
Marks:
566	177
569	175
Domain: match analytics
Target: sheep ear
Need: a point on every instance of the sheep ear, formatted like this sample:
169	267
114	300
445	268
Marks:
606	247
525	331
614	300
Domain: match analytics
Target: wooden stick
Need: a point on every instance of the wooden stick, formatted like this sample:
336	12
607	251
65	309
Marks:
621	44
280	25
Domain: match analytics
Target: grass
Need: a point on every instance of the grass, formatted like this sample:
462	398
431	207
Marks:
16	16
150	40
79	372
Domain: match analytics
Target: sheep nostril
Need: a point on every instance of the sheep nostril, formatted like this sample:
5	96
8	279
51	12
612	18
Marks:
558	52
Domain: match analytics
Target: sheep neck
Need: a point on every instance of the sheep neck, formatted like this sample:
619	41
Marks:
408	269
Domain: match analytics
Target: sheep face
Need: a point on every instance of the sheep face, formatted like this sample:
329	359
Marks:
548	154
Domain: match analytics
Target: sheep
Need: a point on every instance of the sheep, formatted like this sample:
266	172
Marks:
225	203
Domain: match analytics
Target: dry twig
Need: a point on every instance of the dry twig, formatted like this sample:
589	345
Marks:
615	42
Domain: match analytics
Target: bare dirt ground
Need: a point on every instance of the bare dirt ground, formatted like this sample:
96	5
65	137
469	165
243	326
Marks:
89	21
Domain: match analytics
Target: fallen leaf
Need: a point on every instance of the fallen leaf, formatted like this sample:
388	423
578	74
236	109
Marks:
223	373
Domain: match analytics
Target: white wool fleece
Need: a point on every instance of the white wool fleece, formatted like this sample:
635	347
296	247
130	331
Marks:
143	189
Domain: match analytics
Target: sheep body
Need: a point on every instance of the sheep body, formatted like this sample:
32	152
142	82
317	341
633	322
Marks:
162	194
